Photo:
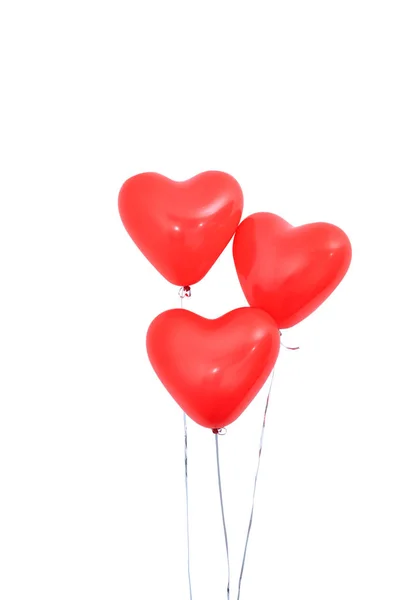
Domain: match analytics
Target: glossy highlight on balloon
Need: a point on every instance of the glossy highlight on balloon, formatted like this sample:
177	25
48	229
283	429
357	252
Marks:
213	368
289	271
181	227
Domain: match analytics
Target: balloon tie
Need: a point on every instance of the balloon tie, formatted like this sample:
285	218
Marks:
288	347
220	431
185	292
217	434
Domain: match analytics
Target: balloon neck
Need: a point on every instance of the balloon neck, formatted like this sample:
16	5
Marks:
185	291
219	431
288	347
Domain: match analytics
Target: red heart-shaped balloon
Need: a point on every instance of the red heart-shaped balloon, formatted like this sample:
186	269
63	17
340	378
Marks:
213	368
181	227
289	271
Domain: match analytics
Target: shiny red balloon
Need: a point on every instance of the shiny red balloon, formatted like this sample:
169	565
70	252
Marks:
289	271
181	227
213	368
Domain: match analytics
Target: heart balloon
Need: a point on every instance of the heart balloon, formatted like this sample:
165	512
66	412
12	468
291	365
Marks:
289	271
181	227
213	368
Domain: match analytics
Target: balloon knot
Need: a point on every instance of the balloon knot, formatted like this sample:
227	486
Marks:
219	431
288	347
185	291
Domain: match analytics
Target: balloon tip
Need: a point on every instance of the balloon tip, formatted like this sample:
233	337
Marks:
185	291
219	430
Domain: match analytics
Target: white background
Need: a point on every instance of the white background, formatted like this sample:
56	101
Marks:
300	102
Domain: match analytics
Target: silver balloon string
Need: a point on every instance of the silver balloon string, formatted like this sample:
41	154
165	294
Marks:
257	471
185	292
187	506
217	433
255	487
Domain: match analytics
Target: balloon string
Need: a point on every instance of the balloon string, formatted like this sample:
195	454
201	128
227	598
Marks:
187	506
217	434
185	292
255	486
